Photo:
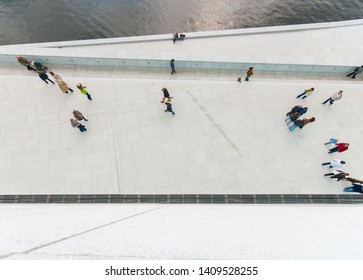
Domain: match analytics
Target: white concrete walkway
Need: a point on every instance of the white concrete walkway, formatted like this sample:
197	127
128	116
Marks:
226	137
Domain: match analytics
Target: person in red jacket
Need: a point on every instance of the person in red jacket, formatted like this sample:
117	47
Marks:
340	147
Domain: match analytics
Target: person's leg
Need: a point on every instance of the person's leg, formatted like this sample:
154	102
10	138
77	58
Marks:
350	74
247	79
288	119
89	96
355	74
84	119
325	163
333	150
172	112
304	97
328	174
163	100
82	128
331	101
300	95
291	128
348	189
70	89
326	100
50	81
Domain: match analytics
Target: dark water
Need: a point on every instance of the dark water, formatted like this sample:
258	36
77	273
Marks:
28	21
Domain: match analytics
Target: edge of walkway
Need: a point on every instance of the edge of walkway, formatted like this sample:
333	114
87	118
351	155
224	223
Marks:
191	35
185	199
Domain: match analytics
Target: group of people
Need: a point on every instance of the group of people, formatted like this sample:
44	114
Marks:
293	121
357	185
166	96
178	37
42	72
292	118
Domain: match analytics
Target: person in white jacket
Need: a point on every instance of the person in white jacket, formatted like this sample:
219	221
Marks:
335	97
335	163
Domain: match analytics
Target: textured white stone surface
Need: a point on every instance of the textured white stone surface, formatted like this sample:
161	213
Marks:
226	137
307	232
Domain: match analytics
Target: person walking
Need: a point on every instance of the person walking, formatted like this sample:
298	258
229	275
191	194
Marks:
169	108
172	65
294	116
358	188
335	163
332	141
175	37
337	174
306	93
62	85
357	70
335	97
249	74
353	181
339	147
166	95
301	123
83	90
295	109
81	127
45	77
79	116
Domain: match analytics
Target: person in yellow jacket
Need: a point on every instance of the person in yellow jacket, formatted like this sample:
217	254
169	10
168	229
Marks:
83	90
306	93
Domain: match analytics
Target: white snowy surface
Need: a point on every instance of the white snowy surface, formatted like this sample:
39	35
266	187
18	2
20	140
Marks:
281	232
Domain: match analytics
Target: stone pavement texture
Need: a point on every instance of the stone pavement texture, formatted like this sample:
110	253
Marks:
226	137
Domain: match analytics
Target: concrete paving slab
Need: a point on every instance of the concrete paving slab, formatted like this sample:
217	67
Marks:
226	137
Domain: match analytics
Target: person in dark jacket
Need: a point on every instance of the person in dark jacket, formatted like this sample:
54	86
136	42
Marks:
338	174
172	66
301	123
169	108
294	109
45	77
357	70
294	116
81	127
354	188
166	95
